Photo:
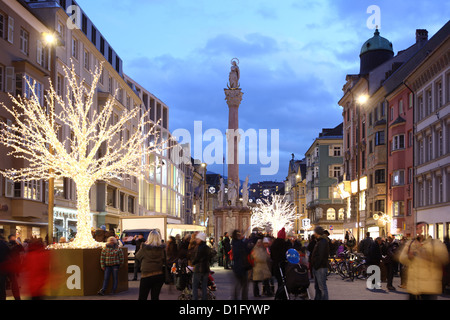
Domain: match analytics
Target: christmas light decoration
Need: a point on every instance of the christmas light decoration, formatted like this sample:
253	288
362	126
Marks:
96	151
276	213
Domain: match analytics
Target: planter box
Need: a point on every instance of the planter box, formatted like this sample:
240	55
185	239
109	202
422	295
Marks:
77	272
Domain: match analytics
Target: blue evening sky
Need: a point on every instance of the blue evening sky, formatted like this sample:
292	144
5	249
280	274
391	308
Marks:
294	56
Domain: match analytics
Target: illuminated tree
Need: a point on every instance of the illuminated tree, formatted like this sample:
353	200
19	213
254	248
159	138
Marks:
96	151
275	213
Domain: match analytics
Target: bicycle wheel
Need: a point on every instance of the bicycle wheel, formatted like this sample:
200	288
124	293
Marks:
361	272
343	270
351	270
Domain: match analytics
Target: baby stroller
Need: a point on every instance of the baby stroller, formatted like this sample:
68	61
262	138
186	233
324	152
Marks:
295	281
183	281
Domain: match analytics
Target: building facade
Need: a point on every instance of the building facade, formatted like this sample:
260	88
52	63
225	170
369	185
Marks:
295	191
366	116
23	57
430	82
323	169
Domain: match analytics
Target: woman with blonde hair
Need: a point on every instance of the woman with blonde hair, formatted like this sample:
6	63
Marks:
152	257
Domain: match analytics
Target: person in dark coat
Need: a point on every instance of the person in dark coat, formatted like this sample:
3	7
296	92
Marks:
278	256
365	244
220	252
226	250
15	264
201	262
319	263
4	256
390	261
152	258
241	265
374	257
137	241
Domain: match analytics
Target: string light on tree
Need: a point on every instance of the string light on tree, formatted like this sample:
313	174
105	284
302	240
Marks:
95	152
275	213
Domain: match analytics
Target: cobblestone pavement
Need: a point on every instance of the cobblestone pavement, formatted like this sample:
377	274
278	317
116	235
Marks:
338	289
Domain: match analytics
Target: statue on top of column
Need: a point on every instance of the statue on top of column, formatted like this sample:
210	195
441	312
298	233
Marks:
235	75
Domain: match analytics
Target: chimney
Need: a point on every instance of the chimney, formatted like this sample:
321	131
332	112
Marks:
421	37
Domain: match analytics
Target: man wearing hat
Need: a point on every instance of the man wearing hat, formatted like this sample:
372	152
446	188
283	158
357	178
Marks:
319	263
202	258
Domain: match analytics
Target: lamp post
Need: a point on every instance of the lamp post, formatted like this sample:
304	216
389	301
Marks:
204	165
362	99
52	41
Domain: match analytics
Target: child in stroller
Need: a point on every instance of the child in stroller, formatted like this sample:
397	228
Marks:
183	280
295	278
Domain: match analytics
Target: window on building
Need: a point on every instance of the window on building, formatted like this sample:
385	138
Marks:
102	45
336	171
363	129
421	152
420	114
411	101
410	139
337	151
10	29
410	175
117	64
111	196
87	64
429	96
61	30
400	107
2	25
75	48
84	23
430	148
421	194
60	86
130	204
331	214
24	41
122	202
2	75
379	138
398	178
110	85
392	113
439	95
440	187
398	208
110	55
379	206
94	35
380	176
398	142
370	118
430	192
409	208
341	214
440	144
363	159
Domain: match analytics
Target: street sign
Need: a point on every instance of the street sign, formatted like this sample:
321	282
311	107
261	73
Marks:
331	228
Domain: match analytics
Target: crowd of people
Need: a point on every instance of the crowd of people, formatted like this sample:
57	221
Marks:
27	260
422	263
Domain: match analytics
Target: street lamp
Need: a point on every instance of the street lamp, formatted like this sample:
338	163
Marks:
204	166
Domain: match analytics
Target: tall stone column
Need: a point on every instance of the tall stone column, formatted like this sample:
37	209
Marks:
234	98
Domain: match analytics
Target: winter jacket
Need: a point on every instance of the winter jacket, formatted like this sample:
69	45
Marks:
202	257
138	243
364	246
226	245
111	256
261	260
4	256
319	256
425	269
374	257
152	259
240	257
